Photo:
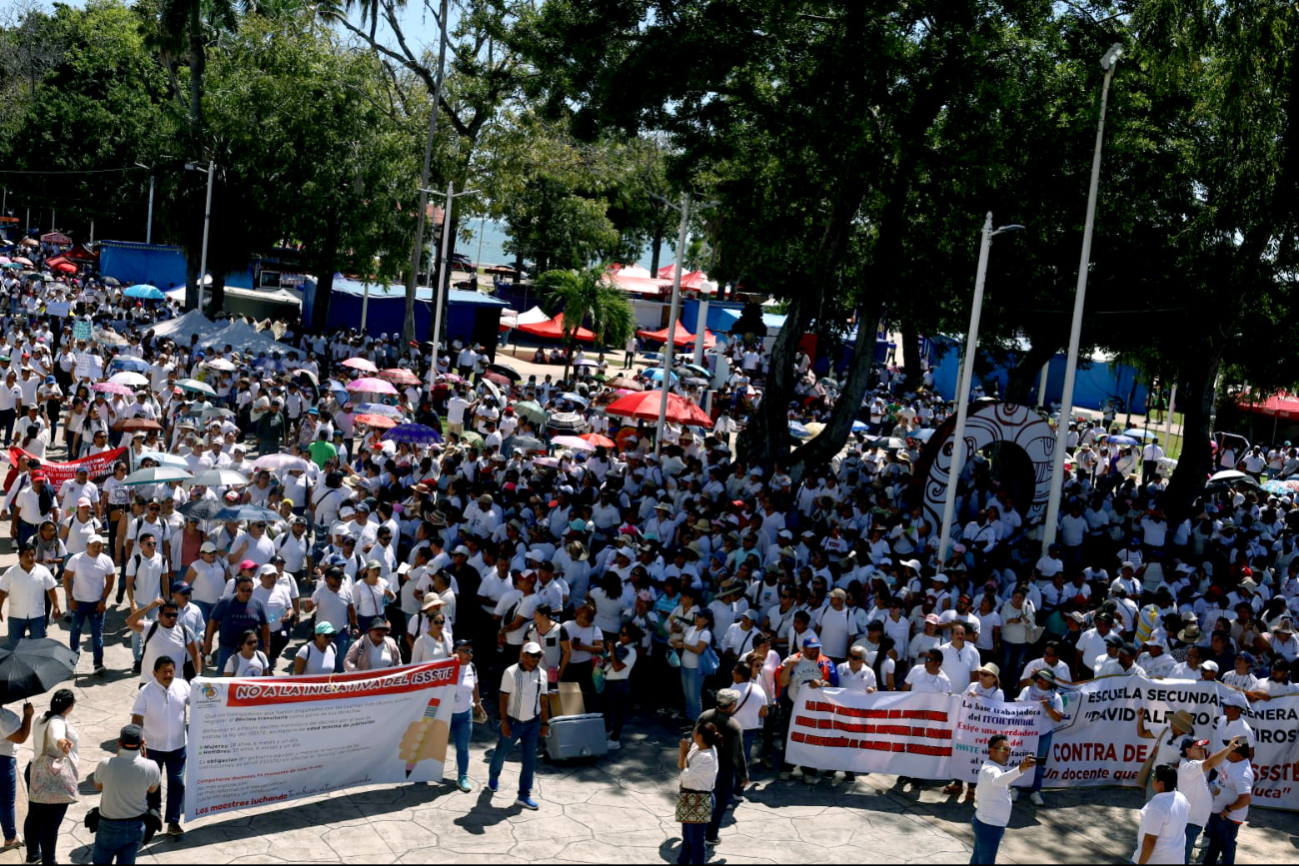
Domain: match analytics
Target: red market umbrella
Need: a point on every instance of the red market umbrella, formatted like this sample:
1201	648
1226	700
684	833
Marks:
64	267
23	260
681	337
645	406
597	439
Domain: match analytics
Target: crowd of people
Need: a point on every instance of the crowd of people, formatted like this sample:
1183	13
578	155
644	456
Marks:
675	578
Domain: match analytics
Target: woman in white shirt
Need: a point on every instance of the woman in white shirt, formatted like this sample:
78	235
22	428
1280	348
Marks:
884	662
249	661
697	761
52	735
462	712
317	655
697	638
435	643
607	598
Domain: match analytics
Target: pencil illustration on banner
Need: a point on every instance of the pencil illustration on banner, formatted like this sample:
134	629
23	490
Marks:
425	739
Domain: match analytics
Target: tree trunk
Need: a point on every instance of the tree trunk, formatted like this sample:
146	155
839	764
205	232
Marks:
320	310
656	248
766	437
910	349
518	268
191	280
1028	372
1196	460
216	301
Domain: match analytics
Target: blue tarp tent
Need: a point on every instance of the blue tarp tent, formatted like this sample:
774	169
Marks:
156	264
1099	378
471	316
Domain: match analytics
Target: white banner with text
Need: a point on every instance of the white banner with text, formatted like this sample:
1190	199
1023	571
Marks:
254	741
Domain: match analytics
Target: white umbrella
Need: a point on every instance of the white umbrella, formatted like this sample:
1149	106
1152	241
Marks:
573	443
221	364
1228	476
128	378
157	475
280	461
196	385
219	478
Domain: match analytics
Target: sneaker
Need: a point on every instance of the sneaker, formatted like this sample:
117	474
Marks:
835	779
797	772
527	803
174	830
1014	795
493	784
464	785
99	670
953	788
613	745
969	795
1036	799
33	858
712	843
135	668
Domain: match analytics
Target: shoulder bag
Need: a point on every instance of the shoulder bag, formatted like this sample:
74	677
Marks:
54	777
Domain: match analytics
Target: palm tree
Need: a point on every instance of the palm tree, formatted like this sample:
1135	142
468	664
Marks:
586	295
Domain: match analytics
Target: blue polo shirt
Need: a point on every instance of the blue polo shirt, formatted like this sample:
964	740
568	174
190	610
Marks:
234	617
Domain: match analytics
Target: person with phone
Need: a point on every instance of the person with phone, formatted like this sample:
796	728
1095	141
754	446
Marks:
992	813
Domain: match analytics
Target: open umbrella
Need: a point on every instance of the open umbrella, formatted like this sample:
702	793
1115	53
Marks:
196	385
216	412
798	431
400	376
383	422
1120	440
586	362
531	410
202	509
598	440
646	407
144	292
522	443
112	388
126	362
165	459
129	379
860	427
371	386
219	478
23	260
13	266
625	382
567	422
157	475
378	409
413	434
656	374
574	398
1231	476
32	667
500	379
360	364
280	461
112	281
64	267
246	512
695	368
134	424
575	443
221	364
472	438
508	372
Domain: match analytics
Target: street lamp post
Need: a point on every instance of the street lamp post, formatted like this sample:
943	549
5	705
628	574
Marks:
440	294
1108	62
967	377
207	225
673	312
148	226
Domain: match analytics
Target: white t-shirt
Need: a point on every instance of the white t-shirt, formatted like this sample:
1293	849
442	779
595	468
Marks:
89	576
923	681
257	666
752	699
9	725
1165	818
318	662
1193	784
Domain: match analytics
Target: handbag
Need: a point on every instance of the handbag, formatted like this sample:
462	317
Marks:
708	662
694	807
54	778
674	658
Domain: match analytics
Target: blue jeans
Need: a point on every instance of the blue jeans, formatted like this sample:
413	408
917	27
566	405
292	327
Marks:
1222	841
8	796
26	532
1043	752
1013	656
88	611
117	841
342	642
206	608
462	727
172	765
526	733
1193	832
692	684
987	839
20	628
692	843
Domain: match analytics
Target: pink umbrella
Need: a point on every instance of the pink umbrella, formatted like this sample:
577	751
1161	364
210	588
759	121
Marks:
112	388
360	364
400	376
371	386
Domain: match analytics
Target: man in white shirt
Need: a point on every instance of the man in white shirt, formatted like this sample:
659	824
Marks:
960	660
1161	835
524	718
167	635
27	585
929	677
1193	784
87	582
992	812
1233	791
160	709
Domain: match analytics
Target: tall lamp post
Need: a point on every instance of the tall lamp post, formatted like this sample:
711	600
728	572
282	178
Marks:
207	224
440	294
1108	62
967	376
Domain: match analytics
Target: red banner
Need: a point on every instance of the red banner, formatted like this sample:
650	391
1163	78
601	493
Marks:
56	473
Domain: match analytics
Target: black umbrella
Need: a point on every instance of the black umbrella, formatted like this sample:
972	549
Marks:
508	372
111	281
203	509
33	667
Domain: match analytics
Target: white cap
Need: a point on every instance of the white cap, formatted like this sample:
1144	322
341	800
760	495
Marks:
268	569
95	539
532	648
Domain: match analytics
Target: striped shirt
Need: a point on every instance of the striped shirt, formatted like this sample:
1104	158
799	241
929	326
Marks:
525	689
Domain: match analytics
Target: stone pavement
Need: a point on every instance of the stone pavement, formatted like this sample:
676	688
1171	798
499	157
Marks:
618	809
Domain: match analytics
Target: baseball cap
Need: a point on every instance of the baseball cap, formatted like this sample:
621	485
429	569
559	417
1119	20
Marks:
267	569
727	697
131	736
751	615
182	588
1209	665
325	628
1188	742
95	539
247	563
207	547
812	641
532	648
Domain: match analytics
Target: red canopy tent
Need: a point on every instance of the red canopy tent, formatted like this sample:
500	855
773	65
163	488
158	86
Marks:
645	406
80	254
61	265
553	329
681	338
1285	406
58	239
690	280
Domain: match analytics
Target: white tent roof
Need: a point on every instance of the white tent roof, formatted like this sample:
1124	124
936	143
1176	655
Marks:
535	316
183	327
